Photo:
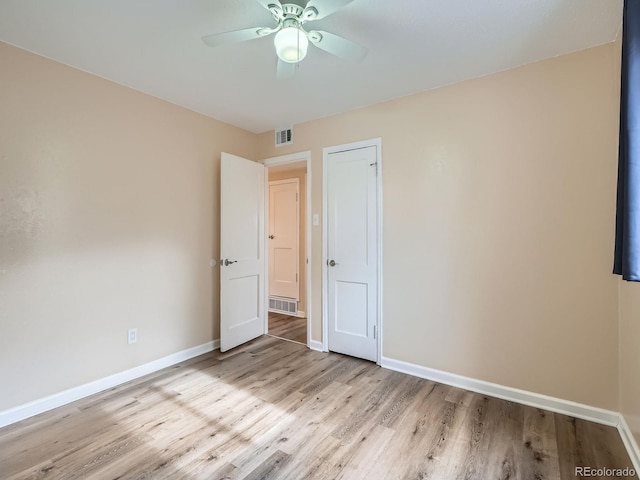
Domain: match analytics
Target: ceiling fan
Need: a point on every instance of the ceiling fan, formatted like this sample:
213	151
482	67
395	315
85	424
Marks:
292	40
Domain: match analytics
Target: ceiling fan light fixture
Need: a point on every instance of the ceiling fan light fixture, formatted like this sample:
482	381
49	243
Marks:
291	44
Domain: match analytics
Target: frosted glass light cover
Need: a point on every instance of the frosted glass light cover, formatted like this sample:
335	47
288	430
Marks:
291	45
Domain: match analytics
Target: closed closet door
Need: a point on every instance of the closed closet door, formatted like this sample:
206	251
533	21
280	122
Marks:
352	252
284	232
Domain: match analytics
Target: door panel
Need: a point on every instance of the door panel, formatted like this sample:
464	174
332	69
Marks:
351	308
242	315
284	239
352	245
350	209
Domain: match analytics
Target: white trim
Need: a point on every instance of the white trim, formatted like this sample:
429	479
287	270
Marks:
558	405
309	236
317	346
282	160
325	256
21	412
378	143
374	142
630	443
290	158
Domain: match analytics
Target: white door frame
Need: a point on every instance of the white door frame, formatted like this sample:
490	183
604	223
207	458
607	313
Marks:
282	160
374	142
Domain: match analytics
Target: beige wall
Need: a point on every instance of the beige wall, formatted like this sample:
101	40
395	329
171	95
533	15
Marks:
498	227
498	210
630	355
108	220
301	175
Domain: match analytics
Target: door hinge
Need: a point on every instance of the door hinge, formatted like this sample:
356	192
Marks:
296	278
376	165
374	332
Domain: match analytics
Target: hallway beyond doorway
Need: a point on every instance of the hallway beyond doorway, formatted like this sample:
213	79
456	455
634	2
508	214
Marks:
288	327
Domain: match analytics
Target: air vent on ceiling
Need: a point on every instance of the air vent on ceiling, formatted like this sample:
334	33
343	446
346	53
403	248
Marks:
284	137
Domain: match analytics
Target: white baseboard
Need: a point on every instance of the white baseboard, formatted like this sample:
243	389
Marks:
315	345
15	414
558	405
630	443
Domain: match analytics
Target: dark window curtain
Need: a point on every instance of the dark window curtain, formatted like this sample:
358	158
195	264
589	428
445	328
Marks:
627	252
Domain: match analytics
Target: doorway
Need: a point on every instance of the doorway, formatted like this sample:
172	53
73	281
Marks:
288	237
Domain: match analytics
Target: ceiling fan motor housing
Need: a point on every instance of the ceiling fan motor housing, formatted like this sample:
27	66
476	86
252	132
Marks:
291	10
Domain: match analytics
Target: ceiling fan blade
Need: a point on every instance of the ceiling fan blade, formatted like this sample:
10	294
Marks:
286	70
317	9
274	6
236	36
338	46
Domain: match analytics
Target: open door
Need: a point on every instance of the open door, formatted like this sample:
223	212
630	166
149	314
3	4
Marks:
242	266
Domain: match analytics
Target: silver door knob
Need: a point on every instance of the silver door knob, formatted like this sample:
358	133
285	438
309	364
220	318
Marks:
228	262
332	263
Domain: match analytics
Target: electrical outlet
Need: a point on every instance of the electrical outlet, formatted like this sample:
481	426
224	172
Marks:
132	335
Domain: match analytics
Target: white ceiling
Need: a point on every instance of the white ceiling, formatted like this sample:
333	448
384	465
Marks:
154	46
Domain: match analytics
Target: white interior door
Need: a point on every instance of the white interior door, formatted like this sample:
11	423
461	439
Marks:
284	233
242	312
352	255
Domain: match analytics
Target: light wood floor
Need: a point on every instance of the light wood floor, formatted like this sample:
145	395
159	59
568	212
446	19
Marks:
288	327
276	410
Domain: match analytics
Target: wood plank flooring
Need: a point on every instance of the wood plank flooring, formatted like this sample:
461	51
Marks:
288	327
273	409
